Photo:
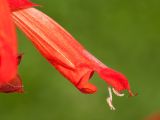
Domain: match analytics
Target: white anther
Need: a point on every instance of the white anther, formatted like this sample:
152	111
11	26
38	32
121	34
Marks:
117	93
109	99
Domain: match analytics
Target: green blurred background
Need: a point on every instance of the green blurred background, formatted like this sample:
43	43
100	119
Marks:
123	34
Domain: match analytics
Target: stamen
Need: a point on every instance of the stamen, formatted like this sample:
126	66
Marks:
109	99
110	92
110	104
117	93
132	94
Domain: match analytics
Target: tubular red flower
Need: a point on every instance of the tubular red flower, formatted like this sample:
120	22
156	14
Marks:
68	56
8	51
8	45
65	53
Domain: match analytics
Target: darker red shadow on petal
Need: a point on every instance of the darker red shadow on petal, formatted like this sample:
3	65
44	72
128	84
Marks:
12	86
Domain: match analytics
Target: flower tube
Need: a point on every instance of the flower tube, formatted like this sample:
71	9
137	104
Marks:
66	54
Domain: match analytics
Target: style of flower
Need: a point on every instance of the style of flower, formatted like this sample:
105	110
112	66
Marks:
66	54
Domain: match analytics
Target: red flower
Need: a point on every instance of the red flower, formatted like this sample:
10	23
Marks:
9	81
65	53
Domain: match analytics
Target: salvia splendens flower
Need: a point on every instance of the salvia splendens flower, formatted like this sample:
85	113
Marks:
9	79
66	54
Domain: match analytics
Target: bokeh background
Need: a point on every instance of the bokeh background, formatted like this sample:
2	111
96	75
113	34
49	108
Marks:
123	34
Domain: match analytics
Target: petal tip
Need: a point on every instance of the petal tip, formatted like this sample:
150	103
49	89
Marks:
88	88
115	79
